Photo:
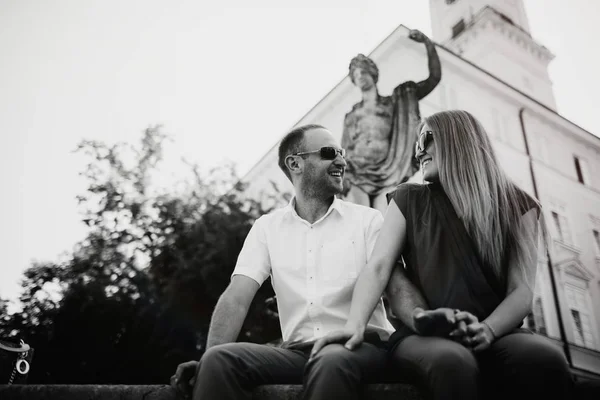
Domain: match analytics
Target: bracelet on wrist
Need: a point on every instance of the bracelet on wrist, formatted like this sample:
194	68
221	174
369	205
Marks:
491	329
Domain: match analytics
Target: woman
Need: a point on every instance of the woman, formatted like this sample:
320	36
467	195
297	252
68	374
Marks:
469	241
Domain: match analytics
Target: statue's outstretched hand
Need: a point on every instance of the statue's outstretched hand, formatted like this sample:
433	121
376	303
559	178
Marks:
184	379
417	36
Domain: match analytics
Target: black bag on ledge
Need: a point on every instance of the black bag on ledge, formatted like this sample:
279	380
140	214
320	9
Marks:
15	361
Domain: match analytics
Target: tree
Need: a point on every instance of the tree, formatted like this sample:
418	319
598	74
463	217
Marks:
135	296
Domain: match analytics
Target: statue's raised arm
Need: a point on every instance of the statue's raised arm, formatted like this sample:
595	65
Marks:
435	69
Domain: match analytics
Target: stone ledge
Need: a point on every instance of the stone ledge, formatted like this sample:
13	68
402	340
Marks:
165	392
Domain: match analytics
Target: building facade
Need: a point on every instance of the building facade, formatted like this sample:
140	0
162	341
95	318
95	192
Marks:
492	67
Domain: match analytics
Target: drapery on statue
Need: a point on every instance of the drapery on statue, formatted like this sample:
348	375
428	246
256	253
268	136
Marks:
380	131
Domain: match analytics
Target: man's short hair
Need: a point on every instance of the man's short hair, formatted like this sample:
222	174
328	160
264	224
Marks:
366	64
293	143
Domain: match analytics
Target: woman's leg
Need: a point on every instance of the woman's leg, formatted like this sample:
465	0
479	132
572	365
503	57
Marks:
526	366
442	368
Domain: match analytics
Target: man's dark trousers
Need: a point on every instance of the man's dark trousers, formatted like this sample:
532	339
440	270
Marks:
231	371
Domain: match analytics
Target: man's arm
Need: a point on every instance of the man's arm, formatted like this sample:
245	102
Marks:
230	311
435	69
405	299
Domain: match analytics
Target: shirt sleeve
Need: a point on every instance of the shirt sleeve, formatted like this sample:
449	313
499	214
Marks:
400	197
254	260
372	233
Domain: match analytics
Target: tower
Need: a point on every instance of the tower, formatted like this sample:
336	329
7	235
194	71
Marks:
494	35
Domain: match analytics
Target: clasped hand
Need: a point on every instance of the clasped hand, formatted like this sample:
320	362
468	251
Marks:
460	326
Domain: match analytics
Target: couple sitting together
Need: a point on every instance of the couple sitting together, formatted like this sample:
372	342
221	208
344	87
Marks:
469	241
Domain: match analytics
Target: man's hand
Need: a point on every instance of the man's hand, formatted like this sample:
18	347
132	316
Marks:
184	379
418	36
352	338
438	322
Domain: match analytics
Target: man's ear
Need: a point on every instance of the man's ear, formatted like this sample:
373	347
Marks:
293	164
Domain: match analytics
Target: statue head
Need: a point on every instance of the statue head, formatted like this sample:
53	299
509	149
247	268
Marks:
364	64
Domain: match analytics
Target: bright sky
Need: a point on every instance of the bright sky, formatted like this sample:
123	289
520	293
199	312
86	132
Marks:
225	78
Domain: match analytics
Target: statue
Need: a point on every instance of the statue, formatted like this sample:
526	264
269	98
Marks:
380	131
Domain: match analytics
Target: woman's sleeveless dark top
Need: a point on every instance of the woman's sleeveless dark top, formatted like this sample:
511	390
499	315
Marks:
441	259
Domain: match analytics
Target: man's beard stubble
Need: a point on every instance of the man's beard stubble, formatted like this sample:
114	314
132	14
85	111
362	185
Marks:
320	186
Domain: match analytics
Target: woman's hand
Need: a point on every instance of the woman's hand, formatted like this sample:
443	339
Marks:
471	333
480	336
352	337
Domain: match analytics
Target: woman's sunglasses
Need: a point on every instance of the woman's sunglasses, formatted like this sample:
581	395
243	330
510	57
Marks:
327	153
423	141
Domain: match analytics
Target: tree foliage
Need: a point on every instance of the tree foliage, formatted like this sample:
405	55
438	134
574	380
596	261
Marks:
134	298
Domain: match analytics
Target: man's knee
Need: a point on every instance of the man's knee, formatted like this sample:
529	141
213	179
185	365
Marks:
218	357
333	359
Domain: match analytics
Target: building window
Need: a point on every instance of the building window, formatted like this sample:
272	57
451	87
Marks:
562	227
581	170
580	316
535	320
458	28
578	328
538	317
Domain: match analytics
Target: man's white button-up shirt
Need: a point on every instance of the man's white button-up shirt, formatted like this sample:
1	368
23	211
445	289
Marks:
313	267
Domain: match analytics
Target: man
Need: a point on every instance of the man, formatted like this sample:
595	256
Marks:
380	131
313	249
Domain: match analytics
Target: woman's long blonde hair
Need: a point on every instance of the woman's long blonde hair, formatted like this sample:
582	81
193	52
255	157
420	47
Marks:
485	199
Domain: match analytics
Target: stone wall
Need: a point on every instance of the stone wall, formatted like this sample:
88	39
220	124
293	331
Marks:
164	392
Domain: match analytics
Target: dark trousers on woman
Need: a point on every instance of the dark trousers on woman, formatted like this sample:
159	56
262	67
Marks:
516	366
231	371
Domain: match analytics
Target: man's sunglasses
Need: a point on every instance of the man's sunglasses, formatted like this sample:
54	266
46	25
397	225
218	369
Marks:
423	141
327	153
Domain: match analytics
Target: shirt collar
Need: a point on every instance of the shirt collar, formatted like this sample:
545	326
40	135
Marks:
336	205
